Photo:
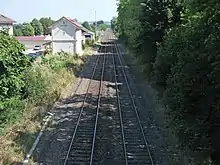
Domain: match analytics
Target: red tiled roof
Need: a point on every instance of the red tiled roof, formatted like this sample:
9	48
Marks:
30	38
72	21
4	19
75	23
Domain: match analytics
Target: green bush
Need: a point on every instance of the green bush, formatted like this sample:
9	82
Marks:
177	43
11	110
89	42
40	77
12	64
188	68
58	61
37	83
40	83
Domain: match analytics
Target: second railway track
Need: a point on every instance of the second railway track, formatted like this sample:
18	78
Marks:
136	147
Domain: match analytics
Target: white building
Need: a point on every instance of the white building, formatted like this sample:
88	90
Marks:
6	24
66	35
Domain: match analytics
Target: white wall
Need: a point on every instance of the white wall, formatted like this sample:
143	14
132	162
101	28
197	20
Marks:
93	36
63	30
9	27
79	40
68	47
64	37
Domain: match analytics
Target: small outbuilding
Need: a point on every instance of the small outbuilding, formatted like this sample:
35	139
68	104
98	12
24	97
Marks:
31	41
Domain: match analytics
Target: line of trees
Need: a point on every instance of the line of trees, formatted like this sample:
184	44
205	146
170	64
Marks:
179	45
41	27
35	27
100	25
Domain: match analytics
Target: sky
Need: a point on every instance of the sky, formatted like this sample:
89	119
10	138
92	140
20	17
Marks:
82	10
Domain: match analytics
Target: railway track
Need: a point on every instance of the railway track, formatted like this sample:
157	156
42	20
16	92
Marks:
136	147
108	148
108	129
85	129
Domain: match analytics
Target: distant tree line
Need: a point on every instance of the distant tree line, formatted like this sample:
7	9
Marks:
100	25
35	27
41	27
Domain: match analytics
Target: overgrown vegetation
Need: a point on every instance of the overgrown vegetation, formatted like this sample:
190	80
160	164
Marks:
89	43
12	65
178	43
27	91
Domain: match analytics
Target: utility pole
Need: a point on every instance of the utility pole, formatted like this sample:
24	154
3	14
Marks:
95	25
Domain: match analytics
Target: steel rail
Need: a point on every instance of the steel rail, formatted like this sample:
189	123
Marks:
134	105
119	109
80	114
97	111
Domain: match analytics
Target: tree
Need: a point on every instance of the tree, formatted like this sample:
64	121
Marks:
114	24
178	44
18	30
100	22
86	25
142	25
12	64
103	27
93	27
27	29
46	23
38	28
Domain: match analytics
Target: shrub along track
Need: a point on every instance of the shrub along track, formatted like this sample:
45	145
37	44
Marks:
100	124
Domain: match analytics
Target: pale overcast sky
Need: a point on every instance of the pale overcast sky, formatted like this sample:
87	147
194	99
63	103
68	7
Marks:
26	10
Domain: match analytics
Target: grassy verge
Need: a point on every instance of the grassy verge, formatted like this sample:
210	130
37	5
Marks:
45	80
